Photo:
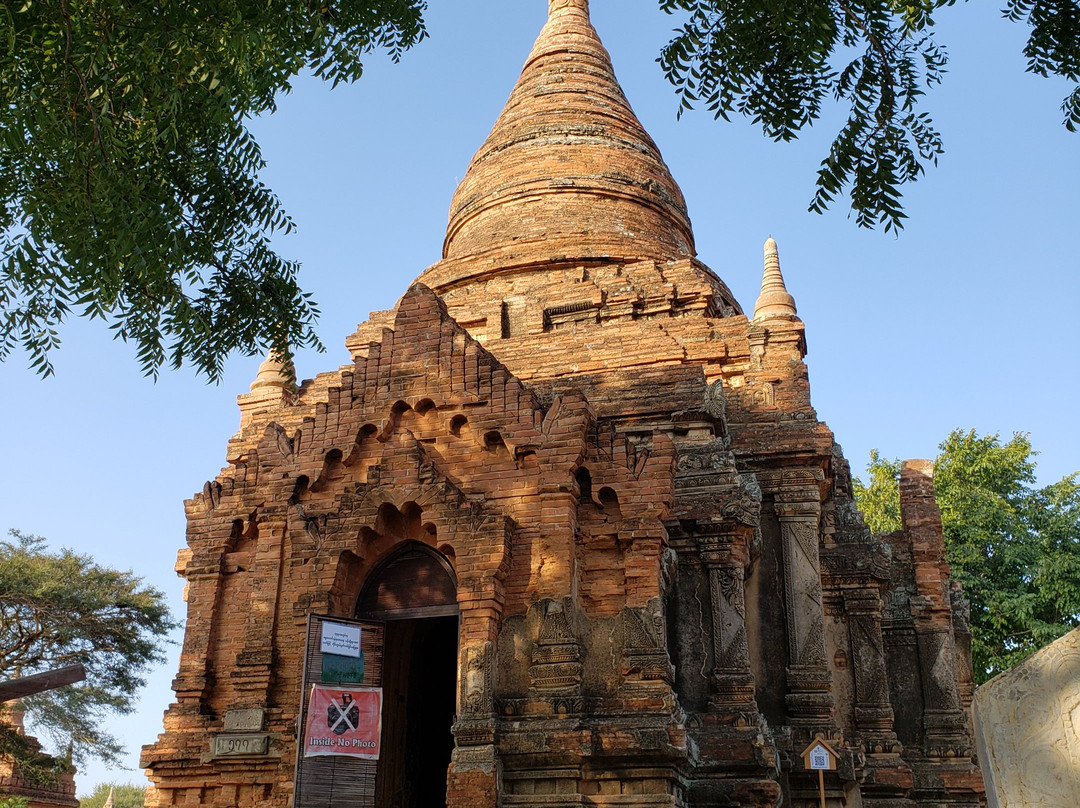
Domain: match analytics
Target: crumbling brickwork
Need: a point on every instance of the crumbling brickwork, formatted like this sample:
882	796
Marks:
15	783
665	590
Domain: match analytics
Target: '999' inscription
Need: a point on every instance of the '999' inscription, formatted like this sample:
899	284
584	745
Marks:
240	745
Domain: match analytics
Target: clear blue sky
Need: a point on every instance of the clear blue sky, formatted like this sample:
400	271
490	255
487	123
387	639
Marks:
966	320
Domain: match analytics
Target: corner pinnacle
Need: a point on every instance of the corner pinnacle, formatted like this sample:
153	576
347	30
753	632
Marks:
273	372
774	300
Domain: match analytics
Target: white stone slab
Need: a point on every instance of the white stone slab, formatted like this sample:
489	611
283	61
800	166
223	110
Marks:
1028	728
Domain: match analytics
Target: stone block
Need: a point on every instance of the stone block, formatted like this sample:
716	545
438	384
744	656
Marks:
1028	728
244	720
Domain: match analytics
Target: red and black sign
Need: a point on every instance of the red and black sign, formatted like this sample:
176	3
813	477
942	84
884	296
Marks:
344	721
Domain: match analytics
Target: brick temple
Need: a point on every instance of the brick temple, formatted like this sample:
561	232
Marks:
577	506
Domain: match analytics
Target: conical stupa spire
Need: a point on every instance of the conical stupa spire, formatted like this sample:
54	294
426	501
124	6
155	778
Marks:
774	300
568	169
109	801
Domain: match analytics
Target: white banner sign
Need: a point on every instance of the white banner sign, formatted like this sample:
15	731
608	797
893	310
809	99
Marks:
340	639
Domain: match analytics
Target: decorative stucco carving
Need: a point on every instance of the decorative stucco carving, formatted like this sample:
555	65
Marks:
1029	719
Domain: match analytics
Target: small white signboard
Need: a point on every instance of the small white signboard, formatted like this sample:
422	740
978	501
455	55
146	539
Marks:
820	758
340	639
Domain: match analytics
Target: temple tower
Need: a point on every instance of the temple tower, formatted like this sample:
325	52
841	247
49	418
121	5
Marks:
575	515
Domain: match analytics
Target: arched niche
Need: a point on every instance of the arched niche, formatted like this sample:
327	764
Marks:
412	582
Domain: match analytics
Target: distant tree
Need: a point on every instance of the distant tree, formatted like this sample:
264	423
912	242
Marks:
61	608
879	499
1013	546
125	795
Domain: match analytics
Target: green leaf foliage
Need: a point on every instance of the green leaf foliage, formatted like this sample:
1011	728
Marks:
14	802
61	608
129	187
125	795
1013	546
879	500
779	62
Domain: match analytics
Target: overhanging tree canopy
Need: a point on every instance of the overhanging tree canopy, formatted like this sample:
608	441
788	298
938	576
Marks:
129	186
129	183
781	62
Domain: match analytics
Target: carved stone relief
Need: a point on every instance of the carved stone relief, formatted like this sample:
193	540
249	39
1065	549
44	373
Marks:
556	657
873	712
1029	722
943	720
805	611
645	656
477	679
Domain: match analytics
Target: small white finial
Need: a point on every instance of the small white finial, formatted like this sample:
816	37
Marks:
774	300
273	372
109	802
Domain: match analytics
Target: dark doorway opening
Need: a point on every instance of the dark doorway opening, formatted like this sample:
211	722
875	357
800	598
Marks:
419	677
415	592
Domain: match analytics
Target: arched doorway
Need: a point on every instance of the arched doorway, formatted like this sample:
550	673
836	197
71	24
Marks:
414	591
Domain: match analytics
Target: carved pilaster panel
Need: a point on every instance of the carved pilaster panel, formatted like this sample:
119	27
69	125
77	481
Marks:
870	686
944	722
961	624
809	698
477	680
731	652
645	659
802	574
725	557
873	711
732	682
